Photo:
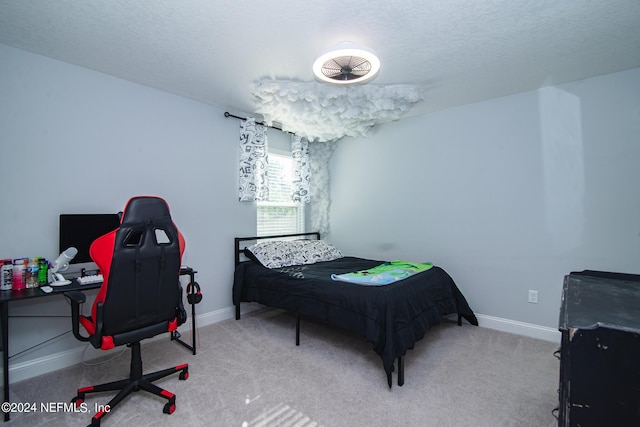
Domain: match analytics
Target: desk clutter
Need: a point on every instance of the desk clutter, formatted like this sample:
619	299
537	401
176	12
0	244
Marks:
27	273
23	273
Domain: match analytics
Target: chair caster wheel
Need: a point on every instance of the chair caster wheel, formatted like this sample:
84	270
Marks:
77	401
169	408
184	375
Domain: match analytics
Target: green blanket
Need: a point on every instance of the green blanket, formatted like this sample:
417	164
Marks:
384	274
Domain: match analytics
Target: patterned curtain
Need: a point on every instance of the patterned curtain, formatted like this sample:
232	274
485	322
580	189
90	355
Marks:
301	171
254	161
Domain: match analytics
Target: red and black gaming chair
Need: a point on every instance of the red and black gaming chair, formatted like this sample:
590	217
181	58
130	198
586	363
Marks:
140	296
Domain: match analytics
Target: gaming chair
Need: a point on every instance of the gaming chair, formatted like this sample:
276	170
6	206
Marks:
140	296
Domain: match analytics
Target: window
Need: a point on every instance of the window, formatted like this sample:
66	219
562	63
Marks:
280	215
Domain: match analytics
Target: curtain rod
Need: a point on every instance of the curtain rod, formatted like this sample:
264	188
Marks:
228	114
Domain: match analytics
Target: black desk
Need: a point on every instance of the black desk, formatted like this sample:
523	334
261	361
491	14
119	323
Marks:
8	296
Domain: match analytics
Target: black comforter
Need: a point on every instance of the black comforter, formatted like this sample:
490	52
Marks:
392	317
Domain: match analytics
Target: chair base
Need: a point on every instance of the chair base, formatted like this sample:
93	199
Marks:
136	382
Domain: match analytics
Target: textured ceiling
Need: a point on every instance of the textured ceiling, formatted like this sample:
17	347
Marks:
455	51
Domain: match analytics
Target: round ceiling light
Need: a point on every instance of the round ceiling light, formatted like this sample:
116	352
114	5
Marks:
347	64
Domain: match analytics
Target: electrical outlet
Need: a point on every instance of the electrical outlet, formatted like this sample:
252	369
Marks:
533	297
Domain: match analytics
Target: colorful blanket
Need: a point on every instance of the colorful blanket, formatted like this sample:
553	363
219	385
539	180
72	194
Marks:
383	274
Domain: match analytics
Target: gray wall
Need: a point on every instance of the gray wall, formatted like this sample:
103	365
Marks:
507	195
77	141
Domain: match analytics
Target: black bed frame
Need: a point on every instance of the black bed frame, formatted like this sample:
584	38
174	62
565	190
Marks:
239	248
239	252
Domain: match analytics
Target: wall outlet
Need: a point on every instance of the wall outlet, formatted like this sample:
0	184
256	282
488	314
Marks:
533	297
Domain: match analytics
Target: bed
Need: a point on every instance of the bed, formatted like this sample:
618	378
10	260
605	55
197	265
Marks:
392	317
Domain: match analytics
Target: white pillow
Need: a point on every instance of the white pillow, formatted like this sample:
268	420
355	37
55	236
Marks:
276	254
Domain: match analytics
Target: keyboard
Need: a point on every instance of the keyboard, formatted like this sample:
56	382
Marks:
89	279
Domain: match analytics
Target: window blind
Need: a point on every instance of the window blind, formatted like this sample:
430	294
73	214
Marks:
280	215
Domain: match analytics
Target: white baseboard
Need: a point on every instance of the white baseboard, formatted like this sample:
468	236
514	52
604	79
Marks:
42	365
64	359
219	315
520	328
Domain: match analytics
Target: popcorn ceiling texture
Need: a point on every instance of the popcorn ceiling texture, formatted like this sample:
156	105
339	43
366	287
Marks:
461	51
324	113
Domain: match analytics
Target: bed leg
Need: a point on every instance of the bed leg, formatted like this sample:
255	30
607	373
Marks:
298	330
400	371
238	311
459	319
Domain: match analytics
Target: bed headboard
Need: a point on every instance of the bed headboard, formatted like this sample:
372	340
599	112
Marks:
240	243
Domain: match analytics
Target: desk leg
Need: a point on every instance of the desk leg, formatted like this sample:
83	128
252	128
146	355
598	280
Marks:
193	328
175	335
4	320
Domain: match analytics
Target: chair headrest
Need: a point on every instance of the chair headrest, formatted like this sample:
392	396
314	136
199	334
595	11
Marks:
144	208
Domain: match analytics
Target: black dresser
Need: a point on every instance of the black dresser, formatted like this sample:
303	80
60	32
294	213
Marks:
600	353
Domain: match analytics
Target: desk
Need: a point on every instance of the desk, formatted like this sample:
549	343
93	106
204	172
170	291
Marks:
8	296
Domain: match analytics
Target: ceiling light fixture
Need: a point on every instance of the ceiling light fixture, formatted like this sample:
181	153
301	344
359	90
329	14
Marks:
347	64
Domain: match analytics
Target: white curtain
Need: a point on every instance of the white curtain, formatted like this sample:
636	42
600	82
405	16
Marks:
319	156
301	171
254	162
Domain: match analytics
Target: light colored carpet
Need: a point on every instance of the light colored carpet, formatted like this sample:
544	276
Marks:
249	373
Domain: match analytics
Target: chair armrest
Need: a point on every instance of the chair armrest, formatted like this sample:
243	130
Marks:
76	298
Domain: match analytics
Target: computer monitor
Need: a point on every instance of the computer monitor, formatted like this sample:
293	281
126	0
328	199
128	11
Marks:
79	231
